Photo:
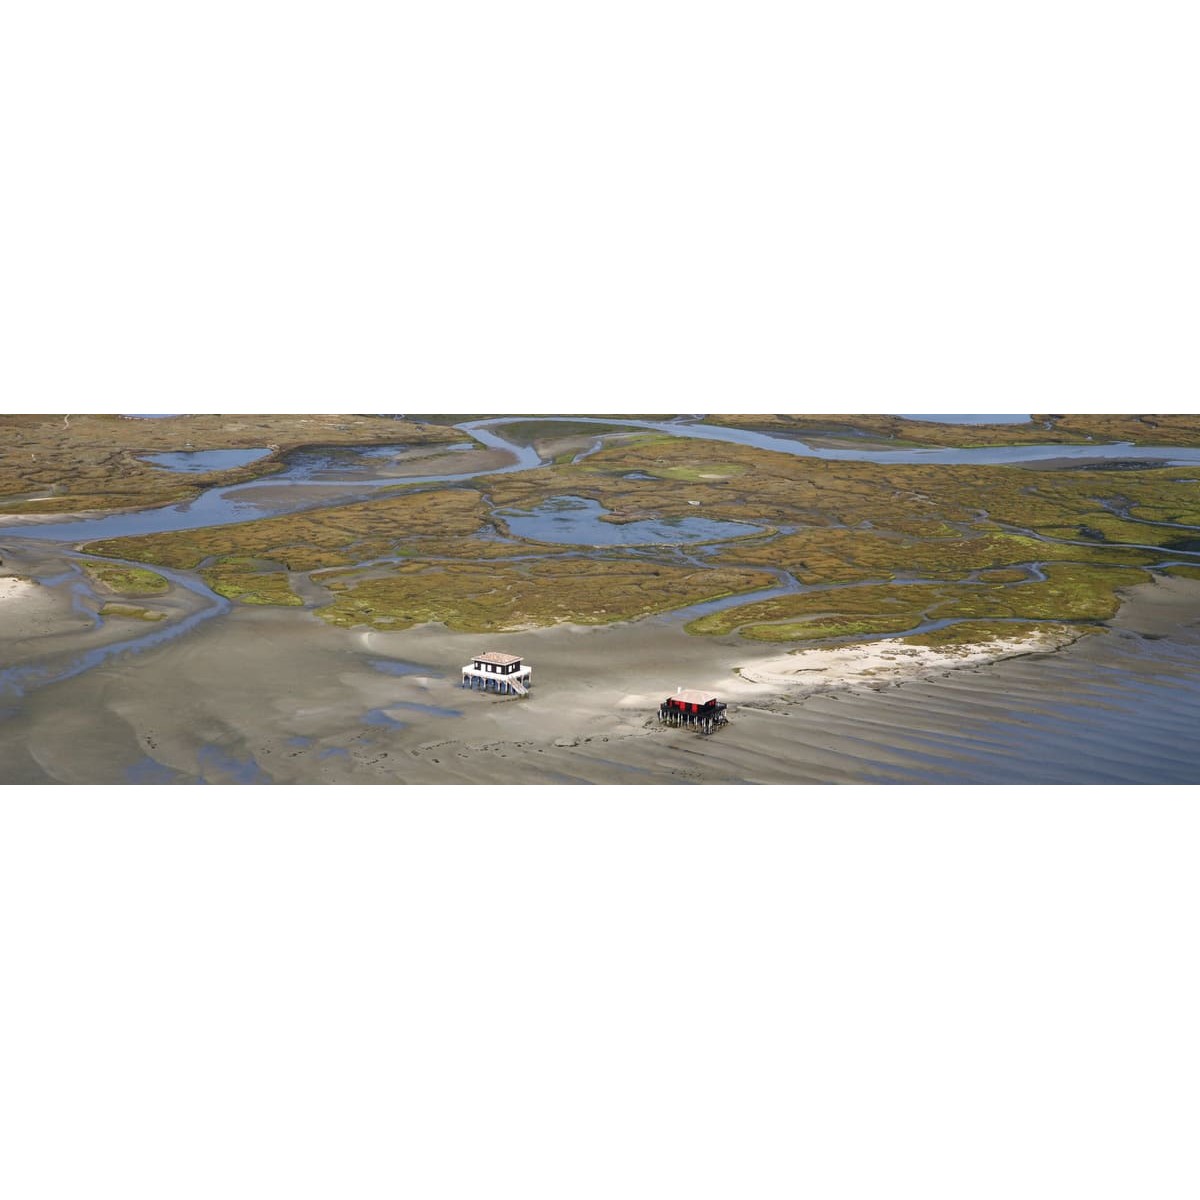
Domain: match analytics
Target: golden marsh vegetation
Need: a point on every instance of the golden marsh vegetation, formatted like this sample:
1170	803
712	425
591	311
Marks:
54	464
1169	430
891	546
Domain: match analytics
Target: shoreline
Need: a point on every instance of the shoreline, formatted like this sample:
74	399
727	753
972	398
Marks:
312	703
888	661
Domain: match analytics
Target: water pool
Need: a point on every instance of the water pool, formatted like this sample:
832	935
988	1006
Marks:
577	521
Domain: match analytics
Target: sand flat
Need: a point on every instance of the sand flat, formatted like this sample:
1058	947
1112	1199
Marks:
28	611
313	703
889	660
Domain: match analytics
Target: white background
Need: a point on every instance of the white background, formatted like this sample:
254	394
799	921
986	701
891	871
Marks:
611	992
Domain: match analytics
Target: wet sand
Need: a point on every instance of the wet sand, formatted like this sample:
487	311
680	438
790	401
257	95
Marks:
26	609
50	617
270	695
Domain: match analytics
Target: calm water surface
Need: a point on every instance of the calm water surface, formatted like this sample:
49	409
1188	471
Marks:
199	462
576	521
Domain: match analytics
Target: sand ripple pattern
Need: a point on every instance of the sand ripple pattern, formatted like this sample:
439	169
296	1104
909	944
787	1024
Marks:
1123	710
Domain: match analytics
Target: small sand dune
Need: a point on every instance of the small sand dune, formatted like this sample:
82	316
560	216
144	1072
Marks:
305	702
889	661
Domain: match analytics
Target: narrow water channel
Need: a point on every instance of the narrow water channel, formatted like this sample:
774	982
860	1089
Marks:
317	479
323	477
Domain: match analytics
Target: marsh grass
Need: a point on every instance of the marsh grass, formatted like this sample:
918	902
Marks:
132	611
250	587
130	581
1071	592
1170	430
477	598
445	556
969	633
92	462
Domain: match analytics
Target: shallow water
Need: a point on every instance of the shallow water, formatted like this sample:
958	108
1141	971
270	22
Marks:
1121	710
576	521
201	461
1122	715
15	681
980	455
217	765
310	479
395	666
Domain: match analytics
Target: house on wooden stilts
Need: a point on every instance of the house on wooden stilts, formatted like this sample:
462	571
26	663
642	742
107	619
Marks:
496	672
701	711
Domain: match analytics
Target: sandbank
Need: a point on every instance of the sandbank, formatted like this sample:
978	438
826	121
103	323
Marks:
307	702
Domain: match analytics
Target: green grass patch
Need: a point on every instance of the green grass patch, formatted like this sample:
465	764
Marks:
1071	592
818	630
251	587
525	433
702	474
131	610
484	597
130	581
1003	575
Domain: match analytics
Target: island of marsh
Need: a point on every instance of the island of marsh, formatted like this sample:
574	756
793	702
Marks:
649	523
309	624
623	560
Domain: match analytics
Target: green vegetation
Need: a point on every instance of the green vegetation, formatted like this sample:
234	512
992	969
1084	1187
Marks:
1171	430
1071	592
92	462
1184	572
438	522
900	431
527	433
970	633
848	555
1003	575
130	581
820	630
707	472
479	598
131	610
439	554
235	582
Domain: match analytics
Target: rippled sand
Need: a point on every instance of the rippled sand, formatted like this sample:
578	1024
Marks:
278	696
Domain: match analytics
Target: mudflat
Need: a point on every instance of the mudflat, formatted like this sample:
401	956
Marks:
275	696
868	614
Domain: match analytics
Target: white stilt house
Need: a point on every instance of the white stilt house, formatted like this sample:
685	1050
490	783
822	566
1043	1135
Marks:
496	672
